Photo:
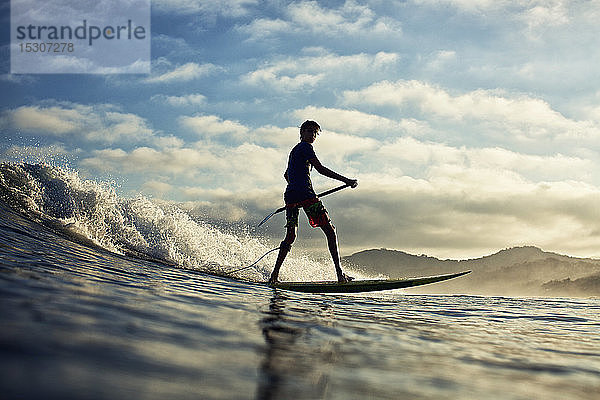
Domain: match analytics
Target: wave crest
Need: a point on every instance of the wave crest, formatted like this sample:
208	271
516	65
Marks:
143	227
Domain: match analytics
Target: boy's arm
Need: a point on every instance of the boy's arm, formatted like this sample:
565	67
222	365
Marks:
323	170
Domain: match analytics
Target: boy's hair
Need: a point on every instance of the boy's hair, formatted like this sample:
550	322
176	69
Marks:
310	125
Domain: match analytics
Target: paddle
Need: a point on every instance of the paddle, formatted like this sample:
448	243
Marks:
319	195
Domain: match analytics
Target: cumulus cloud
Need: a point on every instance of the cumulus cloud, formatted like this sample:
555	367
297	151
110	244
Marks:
242	167
272	78
440	60
335	150
351	121
533	19
262	28
212	125
307	72
180	101
100	123
521	116
227	8
55	120
431	155
157	188
451	215
545	13
169	141
349	19
274	136
536	12
183	73
150	160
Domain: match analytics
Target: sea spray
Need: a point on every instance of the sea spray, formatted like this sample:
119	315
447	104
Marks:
141	226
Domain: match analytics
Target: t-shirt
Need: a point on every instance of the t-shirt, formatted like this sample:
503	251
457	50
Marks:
299	186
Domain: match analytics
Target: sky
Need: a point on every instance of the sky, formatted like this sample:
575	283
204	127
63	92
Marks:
471	125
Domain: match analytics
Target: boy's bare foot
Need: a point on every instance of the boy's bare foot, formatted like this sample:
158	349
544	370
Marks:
344	278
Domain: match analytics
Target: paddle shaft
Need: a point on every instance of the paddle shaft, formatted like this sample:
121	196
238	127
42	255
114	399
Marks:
325	193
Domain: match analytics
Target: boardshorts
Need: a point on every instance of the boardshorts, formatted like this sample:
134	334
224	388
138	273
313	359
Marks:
314	210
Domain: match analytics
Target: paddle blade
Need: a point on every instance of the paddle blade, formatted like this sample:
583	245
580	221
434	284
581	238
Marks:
266	218
270	215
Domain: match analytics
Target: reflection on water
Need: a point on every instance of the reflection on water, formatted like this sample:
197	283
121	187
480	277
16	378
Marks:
424	347
284	371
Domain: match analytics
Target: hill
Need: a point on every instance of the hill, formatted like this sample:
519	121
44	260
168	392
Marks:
518	271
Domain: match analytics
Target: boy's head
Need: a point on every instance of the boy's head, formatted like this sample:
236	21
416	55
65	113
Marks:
309	131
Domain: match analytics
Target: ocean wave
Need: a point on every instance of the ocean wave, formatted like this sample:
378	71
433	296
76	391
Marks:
92	212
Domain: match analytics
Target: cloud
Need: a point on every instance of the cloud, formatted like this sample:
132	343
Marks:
541	11
352	121
55	120
226	8
78	64
185	161
271	78
183	73
533	18
205	163
99	123
119	126
545	14
335	150
157	188
519	116
307	72
471	125
181	101
261	28
441	59
350	19
212	125
453	214
270	136
165	47
168	142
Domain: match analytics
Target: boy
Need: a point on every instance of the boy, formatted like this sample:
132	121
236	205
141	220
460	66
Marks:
300	193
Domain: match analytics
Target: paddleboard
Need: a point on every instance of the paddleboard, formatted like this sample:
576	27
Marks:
362	285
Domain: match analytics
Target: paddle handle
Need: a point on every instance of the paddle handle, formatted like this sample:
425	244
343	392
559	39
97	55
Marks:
335	189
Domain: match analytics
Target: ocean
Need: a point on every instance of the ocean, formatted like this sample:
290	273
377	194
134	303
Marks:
103	297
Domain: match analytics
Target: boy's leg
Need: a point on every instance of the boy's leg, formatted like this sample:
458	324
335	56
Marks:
284	249
291	215
329	231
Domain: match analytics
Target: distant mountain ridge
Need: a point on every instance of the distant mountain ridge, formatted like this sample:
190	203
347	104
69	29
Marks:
523	271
